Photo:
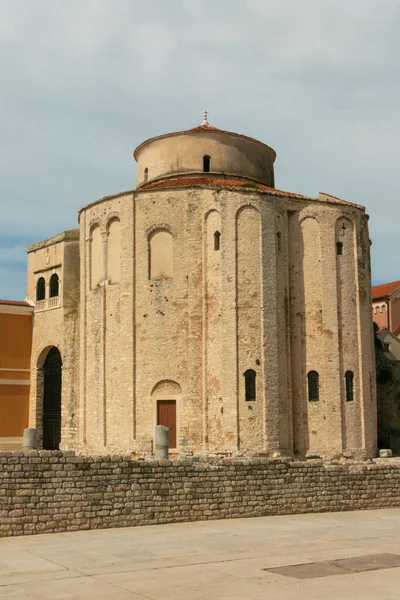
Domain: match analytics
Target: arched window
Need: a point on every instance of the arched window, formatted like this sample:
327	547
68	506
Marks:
160	254
146	174
313	386
217	240
206	163
349	377
339	248
40	289
250	385
54	285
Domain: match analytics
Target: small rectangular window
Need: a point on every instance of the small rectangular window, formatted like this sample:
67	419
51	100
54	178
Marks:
250	385
349	379
313	386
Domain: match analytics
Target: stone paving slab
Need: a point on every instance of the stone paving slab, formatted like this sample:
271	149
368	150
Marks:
215	560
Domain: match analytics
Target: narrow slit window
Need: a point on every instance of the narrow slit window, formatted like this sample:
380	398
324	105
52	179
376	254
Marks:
349	377
206	163
217	240
146	174
54	285
250	385
278	241
40	289
339	248
313	386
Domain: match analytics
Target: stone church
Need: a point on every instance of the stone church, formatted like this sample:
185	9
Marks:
206	300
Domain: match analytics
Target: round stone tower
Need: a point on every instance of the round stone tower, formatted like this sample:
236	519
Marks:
236	314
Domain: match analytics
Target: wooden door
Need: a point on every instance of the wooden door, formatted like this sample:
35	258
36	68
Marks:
166	415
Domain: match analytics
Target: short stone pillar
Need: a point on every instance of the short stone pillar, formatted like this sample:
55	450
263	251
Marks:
162	442
385	453
30	439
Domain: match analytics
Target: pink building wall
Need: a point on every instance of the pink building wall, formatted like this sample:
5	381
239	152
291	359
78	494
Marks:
380	314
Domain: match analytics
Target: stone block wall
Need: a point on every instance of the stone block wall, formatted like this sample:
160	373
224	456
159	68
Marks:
51	491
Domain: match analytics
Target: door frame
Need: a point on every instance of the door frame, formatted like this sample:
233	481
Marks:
177	400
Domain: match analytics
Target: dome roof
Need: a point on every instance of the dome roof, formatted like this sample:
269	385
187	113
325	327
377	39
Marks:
205	127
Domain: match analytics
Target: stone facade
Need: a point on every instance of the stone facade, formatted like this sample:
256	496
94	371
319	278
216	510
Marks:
244	307
44	492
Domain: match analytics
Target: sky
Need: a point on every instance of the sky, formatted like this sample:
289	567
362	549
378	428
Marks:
83	82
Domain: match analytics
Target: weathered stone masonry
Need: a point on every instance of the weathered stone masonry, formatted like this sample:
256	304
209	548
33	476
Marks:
48	491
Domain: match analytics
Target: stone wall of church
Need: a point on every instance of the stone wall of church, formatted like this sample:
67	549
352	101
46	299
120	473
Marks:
331	330
107	324
205	287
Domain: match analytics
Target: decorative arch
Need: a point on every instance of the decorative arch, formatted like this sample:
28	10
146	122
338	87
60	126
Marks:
165	226
96	256
43	355
245	207
160	250
309	216
92	225
114	249
166	388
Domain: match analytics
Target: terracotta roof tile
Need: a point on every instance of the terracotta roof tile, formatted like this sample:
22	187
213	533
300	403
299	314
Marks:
204	180
204	128
14	303
379	291
216	181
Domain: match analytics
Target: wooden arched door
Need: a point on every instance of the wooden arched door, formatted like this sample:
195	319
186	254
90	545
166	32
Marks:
52	400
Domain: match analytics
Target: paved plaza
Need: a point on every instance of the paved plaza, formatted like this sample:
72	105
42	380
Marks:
354	555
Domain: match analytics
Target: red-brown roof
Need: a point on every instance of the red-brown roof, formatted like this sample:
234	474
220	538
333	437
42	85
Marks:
14	303
216	181
204	128
380	291
204	180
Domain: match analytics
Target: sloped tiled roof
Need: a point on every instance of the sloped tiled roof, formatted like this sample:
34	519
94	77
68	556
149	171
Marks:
379	291
14	303
216	180
204	180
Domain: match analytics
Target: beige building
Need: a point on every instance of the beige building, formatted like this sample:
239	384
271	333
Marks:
209	301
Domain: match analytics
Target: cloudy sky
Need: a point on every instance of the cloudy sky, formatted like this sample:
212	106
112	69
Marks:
85	81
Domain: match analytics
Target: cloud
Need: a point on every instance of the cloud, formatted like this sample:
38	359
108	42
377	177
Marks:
83	83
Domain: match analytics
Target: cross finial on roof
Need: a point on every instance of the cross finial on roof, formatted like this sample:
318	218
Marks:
205	115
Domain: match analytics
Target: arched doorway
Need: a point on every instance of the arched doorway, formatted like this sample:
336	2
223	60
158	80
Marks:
52	400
